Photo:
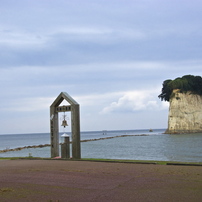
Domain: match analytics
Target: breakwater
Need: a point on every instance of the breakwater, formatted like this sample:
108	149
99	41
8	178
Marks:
48	145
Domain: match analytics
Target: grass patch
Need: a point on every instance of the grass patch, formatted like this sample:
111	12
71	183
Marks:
112	161
5	190
142	162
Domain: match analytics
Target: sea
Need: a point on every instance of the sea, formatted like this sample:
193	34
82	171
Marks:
124	144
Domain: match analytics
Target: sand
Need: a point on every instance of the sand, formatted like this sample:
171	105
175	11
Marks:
60	180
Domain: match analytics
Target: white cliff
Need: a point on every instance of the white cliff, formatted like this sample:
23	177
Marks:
185	113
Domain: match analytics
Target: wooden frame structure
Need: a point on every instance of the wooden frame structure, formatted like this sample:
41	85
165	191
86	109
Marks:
75	124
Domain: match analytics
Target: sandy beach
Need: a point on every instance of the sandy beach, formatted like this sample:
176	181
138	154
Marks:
60	180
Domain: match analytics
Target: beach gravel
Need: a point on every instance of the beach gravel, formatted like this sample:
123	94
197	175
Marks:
60	180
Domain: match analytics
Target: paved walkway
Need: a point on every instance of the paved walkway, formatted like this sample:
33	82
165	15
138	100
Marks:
82	181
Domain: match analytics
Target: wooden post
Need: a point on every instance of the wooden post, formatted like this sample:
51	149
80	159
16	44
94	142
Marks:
76	150
54	133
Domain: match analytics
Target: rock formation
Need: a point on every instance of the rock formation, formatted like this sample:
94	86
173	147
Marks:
185	113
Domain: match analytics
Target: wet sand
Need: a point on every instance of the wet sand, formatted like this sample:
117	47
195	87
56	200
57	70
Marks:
60	180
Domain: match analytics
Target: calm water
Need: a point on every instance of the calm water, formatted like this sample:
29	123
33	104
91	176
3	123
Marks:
153	146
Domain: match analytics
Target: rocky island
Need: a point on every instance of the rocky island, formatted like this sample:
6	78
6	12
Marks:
185	97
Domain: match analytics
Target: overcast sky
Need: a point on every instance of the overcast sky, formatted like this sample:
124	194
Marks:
111	56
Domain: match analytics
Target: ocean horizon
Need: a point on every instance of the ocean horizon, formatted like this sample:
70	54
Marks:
125	144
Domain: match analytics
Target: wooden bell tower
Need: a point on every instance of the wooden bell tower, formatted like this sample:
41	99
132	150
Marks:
75	124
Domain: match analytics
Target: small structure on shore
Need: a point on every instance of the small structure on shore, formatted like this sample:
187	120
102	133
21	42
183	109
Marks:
75	124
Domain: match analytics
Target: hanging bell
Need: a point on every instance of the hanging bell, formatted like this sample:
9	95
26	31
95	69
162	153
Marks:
64	123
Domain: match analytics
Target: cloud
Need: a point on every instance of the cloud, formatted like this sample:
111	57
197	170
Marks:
21	39
28	104
135	101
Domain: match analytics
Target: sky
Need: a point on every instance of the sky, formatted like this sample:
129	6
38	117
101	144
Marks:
111	56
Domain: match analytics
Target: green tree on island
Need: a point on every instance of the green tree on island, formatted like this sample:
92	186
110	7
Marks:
184	84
